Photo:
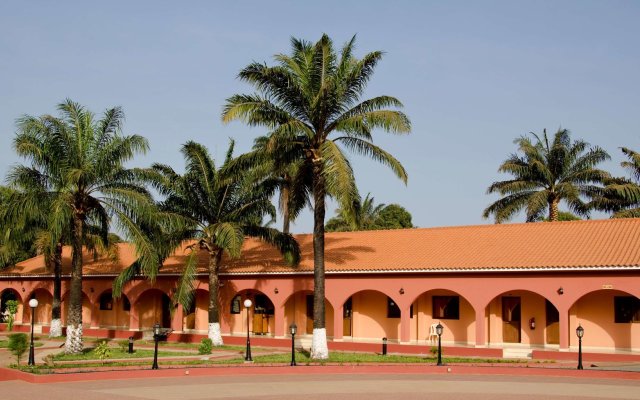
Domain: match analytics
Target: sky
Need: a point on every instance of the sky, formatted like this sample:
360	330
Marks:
473	76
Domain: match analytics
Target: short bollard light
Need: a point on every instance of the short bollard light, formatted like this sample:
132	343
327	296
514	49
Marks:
580	334
33	303
384	346
293	328
156	338
439	329
247	305
130	344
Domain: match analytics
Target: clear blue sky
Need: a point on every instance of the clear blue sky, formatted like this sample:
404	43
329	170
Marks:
473	76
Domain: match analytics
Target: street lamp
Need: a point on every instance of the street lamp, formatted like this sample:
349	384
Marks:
247	305
33	303
293	328
439	329
580	334
156	338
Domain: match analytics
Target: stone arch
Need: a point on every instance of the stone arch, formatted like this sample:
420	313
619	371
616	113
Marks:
608	317
372	315
298	309
43	311
153	306
522	316
447	307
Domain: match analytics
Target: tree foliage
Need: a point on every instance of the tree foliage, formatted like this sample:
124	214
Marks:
545	173
369	216
621	195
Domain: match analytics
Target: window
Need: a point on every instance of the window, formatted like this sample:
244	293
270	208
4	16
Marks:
106	301
446	307
235	305
263	305
626	309
393	311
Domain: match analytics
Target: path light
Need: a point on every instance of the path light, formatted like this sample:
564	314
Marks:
439	329
33	303
156	338
247	305
580	334
293	328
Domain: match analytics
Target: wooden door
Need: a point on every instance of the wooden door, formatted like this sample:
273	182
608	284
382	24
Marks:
309	314
553	323
346	317
511	319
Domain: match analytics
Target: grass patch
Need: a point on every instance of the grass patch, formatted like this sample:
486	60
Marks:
5	344
89	354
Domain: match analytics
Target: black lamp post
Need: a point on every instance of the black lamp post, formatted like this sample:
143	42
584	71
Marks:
293	328
33	303
247	305
156	337
580	334
439	329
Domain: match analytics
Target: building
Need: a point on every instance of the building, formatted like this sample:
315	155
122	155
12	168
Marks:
512	285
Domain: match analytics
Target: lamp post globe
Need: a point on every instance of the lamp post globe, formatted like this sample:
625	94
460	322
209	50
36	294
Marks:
293	328
439	329
33	303
247	305
580	334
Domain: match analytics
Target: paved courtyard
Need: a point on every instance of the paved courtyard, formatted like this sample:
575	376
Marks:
332	386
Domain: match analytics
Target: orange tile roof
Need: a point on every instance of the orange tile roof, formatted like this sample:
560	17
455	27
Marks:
596	244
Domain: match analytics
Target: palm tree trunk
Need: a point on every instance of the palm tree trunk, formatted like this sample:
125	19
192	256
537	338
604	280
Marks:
56	322
319	348
553	209
73	344
285	199
214	332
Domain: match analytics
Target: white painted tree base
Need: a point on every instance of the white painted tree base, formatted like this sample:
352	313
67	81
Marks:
319	348
56	328
215	334
73	345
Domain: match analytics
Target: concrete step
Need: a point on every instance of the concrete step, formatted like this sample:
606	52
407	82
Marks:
517	353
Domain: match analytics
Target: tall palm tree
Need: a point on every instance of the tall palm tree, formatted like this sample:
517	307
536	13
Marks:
80	162
545	174
218	207
311	103
622	195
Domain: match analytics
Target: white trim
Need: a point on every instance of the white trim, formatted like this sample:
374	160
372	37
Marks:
369	271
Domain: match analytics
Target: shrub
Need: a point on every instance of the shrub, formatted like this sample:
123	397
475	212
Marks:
206	346
102	350
433	350
18	344
10	313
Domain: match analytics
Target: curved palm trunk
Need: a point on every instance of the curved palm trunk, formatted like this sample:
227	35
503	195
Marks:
319	348
286	198
553	209
73	343
56	312
214	332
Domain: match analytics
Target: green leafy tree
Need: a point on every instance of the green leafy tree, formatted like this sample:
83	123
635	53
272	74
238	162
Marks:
10	313
394	216
18	345
621	195
545	173
80	162
218	208
311	102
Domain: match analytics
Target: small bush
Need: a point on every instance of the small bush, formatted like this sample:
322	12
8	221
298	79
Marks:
18	344
10	313
102	350
433	350
206	346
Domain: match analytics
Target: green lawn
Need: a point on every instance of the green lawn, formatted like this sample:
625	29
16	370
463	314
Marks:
5	343
89	354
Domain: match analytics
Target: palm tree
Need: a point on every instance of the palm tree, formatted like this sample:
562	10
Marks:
545	174
218	208
80	162
311	103
622	195
365	217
